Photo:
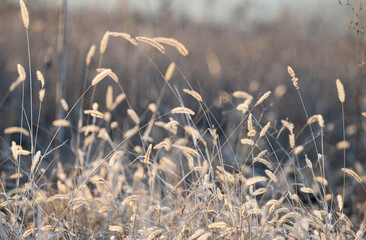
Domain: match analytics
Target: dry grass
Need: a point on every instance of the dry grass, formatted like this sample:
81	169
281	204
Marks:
174	173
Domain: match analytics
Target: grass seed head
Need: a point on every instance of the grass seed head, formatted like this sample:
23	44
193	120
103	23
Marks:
340	91
25	14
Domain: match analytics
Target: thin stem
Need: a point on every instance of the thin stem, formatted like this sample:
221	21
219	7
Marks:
344	153
30	93
307	117
38	119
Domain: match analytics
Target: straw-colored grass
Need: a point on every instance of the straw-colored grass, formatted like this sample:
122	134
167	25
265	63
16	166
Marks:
153	172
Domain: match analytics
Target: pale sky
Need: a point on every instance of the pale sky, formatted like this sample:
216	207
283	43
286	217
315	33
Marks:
221	10
261	10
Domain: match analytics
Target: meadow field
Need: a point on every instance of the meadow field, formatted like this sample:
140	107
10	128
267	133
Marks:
118	124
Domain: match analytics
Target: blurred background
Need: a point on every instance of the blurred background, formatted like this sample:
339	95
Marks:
234	45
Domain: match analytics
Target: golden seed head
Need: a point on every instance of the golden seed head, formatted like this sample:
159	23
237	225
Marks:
90	55
104	42
21	72
24	12
290	71
340	90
